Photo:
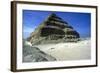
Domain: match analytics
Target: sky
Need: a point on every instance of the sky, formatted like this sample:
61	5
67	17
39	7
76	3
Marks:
81	22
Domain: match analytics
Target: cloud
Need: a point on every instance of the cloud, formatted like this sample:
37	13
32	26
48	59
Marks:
27	31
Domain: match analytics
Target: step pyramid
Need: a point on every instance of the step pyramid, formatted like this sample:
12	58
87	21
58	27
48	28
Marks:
54	30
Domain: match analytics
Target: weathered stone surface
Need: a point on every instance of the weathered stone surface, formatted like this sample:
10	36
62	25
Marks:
53	29
34	54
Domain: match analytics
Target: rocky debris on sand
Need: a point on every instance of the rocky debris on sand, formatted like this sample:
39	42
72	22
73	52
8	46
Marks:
34	54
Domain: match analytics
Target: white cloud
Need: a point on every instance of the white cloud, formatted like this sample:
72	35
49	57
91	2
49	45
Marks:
28	29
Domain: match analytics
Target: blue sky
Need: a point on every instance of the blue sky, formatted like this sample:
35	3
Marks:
81	22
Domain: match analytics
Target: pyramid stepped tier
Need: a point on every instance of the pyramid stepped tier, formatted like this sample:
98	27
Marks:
55	19
54	29
53	15
56	23
49	31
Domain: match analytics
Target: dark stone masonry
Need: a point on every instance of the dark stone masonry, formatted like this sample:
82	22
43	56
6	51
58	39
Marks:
53	30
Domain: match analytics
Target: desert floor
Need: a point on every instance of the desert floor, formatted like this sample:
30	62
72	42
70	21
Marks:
68	51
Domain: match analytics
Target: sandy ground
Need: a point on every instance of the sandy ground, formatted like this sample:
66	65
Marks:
68	51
